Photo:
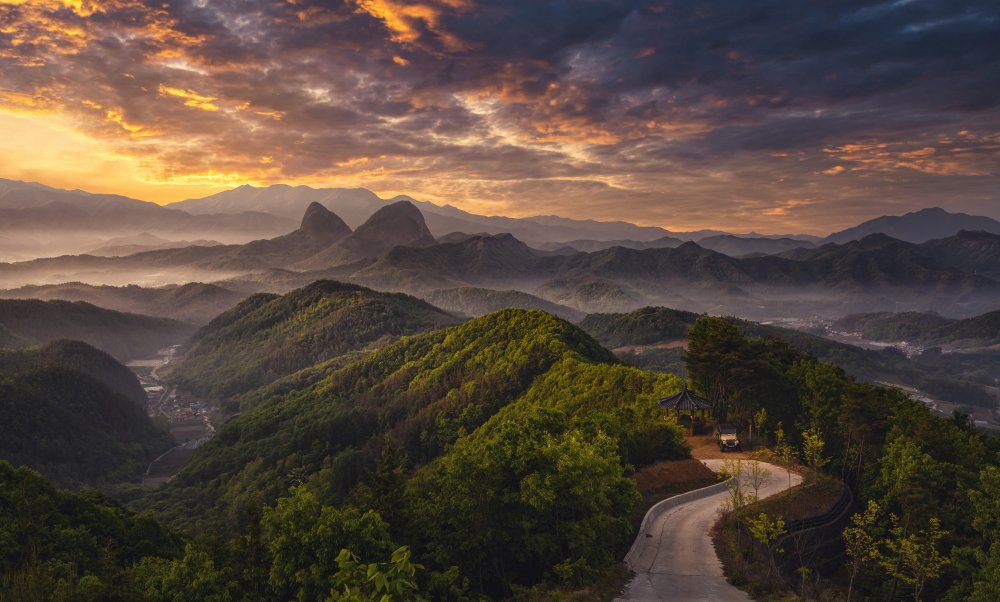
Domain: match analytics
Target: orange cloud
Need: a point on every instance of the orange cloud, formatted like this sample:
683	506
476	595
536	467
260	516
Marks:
191	99
946	157
405	20
787	207
136	131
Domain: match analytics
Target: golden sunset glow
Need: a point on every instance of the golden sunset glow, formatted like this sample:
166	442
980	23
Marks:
618	117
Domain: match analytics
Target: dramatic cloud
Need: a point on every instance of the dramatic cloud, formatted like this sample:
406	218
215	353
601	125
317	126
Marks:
766	115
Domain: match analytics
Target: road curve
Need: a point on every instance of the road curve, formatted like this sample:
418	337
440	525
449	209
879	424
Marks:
677	562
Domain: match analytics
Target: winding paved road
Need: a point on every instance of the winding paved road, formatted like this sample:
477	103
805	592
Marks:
678	561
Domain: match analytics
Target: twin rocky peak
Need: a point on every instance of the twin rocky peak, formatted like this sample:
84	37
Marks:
397	224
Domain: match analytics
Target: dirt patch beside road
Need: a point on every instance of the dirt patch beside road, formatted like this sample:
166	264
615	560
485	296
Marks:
704	447
665	479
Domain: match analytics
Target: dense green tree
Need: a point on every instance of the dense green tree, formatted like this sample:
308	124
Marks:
524	500
305	539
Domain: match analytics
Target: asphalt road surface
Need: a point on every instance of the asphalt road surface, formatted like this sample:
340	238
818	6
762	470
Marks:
678	563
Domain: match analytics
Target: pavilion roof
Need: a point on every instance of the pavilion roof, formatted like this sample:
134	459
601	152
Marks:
685	400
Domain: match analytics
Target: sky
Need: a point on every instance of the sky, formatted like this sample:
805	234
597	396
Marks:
774	116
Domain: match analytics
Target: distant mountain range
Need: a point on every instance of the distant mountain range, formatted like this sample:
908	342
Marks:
98	222
918	227
394	250
31	206
604	267
355	205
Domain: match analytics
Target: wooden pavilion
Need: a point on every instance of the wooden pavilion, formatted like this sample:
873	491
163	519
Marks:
688	402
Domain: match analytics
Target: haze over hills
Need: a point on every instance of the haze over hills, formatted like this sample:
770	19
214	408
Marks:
30	211
394	225
475	302
193	303
121	246
918	226
395	250
87	221
355	205
28	322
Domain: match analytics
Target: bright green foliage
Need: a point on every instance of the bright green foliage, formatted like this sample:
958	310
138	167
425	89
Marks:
191	577
766	530
305	540
821	389
69	411
523	499
812	449
69	546
914	558
518	425
393	581
267	337
424	392
861	542
986	521
784	451
986	586
887	446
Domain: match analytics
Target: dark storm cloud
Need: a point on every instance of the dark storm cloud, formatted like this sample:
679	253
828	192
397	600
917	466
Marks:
771	113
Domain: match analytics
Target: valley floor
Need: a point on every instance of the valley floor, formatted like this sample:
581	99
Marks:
188	417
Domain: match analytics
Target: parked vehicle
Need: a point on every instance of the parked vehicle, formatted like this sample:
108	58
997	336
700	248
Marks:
726	438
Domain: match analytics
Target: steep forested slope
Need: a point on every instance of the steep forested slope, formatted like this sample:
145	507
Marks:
267	336
75	415
517	418
916	472
424	392
58	545
125	336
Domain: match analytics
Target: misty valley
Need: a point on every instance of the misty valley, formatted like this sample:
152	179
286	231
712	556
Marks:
290	393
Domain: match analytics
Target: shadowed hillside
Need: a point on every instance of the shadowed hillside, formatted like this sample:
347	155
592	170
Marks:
75	415
125	336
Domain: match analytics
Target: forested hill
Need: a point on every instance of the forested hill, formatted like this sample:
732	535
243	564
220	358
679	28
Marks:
466	417
125	336
75	415
924	328
60	545
643	326
268	336
642	336
82	357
